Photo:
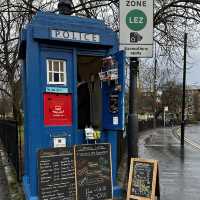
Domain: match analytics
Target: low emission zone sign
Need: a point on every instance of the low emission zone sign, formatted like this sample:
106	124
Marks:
136	28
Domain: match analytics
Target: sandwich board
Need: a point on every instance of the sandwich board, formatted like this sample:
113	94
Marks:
143	181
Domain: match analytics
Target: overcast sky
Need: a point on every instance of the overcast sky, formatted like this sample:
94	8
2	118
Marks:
193	72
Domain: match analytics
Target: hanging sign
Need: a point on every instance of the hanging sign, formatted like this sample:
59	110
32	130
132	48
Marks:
136	28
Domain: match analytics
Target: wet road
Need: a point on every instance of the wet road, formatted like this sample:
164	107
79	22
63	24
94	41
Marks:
192	132
179	169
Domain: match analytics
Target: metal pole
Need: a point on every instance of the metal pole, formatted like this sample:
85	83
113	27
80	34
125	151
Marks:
155	89
183	98
132	117
164	118
155	93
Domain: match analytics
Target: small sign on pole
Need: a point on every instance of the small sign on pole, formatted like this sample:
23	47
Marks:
166	108
136	28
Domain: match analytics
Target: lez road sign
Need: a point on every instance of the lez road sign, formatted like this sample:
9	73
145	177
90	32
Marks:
136	20
136	27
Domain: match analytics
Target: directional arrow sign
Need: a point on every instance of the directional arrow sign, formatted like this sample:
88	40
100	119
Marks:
136	27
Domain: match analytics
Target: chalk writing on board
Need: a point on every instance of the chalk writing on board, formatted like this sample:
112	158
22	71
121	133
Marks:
142	179
56	174
93	172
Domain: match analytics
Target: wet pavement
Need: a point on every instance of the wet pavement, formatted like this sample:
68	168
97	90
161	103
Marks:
192	132
4	194
179	168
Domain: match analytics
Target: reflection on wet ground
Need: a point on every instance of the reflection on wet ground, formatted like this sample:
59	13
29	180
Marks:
179	168
192	132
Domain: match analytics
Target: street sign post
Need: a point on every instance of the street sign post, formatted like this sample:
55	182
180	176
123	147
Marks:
136	28
165	110
136	39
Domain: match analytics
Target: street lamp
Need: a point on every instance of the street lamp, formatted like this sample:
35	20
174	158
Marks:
184	85
155	86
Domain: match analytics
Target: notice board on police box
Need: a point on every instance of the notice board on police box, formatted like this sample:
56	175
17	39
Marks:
143	181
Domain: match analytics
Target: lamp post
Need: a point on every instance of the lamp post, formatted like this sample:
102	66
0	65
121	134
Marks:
184	86
155	92
155	88
132	137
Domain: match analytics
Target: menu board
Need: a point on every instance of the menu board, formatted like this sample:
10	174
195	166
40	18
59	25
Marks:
56	174
142	179
93	172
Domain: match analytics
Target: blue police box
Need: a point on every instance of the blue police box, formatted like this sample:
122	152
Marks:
57	49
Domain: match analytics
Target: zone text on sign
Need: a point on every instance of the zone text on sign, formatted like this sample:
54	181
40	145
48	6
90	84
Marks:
136	3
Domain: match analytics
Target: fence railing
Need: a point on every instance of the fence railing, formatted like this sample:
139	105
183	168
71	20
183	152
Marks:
9	138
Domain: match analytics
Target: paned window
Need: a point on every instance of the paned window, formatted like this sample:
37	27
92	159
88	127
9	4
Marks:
56	72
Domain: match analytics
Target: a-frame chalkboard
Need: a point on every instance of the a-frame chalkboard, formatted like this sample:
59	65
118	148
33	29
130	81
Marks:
56	174
143	181
93	172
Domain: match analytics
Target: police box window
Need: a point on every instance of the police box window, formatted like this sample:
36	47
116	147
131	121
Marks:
56	72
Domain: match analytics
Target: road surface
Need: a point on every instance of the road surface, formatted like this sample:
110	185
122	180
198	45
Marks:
179	168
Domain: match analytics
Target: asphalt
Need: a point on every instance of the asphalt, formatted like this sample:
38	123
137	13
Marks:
192	132
179	167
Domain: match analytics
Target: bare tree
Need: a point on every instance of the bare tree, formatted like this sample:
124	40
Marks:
153	75
14	14
169	22
172	97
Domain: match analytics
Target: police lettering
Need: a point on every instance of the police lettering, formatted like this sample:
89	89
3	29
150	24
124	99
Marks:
77	36
136	3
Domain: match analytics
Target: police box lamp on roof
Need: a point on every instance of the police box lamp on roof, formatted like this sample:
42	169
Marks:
65	7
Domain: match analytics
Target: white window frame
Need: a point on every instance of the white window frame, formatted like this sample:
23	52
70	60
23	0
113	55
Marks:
59	72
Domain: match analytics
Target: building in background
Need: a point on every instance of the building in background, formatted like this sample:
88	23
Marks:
192	110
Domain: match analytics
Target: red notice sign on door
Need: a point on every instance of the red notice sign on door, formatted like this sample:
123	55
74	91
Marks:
57	109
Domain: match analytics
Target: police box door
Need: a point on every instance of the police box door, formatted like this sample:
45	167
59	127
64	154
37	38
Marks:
58	93
112	76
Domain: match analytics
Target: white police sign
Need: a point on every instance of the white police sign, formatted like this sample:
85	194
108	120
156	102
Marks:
136	27
71	35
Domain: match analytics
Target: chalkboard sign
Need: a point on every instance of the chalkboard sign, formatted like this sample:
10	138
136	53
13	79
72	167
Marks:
93	172
56	174
143	179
